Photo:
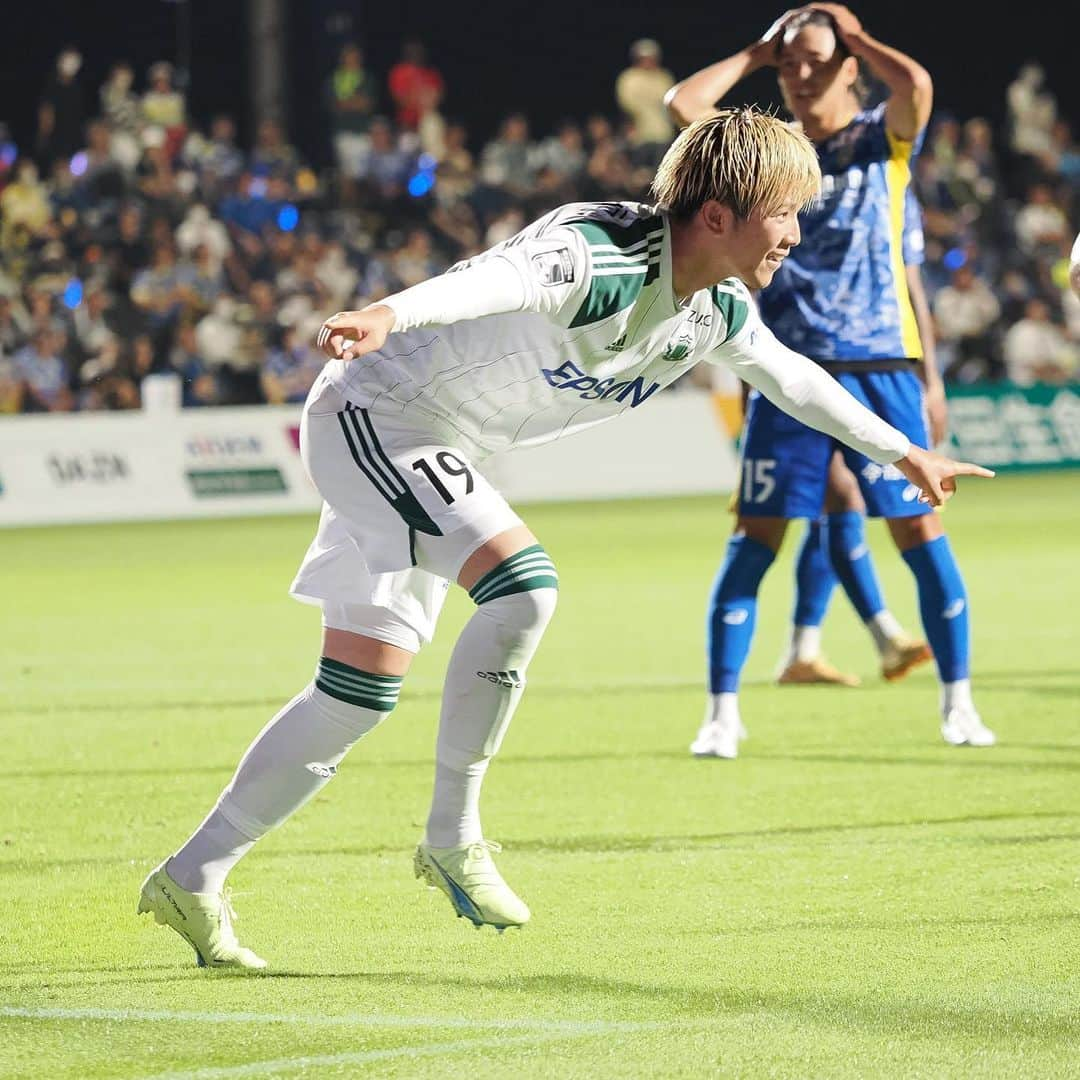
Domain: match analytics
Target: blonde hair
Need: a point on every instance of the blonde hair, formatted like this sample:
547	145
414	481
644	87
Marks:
743	158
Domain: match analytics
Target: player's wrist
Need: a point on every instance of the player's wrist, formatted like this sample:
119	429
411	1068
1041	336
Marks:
384	311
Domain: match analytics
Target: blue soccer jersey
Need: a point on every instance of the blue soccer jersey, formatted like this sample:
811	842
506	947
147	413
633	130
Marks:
842	294
841	298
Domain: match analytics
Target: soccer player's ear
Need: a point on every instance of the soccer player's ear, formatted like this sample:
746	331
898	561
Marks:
716	217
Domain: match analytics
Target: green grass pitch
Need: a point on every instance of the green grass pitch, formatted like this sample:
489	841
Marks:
851	898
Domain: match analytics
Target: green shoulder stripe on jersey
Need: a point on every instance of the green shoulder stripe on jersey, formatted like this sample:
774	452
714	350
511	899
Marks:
730	301
624	259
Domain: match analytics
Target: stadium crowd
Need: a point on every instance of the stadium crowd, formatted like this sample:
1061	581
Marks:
136	239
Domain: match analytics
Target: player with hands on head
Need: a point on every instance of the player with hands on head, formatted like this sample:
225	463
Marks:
511	348
841	299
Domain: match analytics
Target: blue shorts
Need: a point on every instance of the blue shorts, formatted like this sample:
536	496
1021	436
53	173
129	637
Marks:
785	464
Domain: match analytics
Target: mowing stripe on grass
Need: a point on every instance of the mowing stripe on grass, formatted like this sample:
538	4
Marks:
356	1057
555	1027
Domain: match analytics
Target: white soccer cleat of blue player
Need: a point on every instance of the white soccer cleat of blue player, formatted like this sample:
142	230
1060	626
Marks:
962	726
722	729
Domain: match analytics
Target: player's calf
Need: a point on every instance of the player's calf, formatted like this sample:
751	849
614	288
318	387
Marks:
484	683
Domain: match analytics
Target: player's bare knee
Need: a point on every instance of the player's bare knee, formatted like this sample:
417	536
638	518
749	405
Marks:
842	493
768	531
911	532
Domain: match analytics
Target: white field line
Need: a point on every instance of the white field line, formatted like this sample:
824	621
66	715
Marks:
372	1020
359	1057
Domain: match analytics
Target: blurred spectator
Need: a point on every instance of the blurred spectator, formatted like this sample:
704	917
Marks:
456	170
12	332
128	251
387	168
217	334
101	174
1041	226
290	370
161	291
255	205
507	161
120	110
640	91
11	386
217	161
163	106
564	152
95	339
415	261
966	314
199	380
415	86
24	204
352	98
44	374
1037	350
200	230
337	276
1032	111
272	154
61	114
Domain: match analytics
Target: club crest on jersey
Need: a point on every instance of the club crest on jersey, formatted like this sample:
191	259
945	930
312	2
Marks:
554	267
678	348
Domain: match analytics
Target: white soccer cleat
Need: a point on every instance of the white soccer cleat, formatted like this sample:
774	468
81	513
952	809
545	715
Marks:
203	920
964	727
718	739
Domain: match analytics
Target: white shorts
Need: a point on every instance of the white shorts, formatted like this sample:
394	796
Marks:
402	512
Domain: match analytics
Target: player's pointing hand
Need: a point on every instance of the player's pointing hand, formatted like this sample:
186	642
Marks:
351	334
934	475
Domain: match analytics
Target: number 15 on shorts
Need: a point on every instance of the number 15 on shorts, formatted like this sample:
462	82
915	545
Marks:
757	480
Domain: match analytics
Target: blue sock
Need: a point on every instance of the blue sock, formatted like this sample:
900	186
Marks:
814	579
850	556
943	606
732	611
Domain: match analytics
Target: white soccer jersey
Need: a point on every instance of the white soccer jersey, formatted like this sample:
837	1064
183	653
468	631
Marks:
599	331
602	333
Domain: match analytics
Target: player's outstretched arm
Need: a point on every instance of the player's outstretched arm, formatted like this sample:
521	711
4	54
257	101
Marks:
490	287
935	476
696	96
548	275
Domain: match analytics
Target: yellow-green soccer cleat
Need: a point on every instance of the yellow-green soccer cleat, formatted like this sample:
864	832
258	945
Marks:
203	920
468	875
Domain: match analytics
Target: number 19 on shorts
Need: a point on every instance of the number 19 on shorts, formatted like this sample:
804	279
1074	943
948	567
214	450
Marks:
757	480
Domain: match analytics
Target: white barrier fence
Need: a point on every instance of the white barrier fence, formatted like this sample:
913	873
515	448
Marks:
222	462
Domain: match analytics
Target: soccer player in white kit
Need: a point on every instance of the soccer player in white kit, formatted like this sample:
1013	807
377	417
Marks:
585	314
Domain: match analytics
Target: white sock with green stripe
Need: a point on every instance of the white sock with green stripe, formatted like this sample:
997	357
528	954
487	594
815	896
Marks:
484	682
292	758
